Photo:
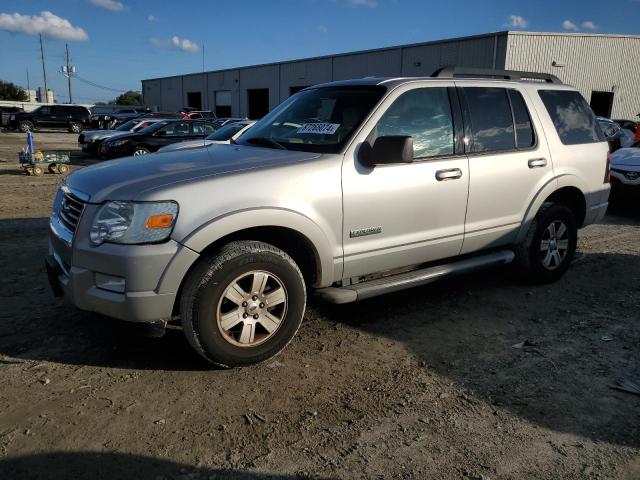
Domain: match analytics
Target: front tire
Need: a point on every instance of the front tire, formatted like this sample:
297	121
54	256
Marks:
140	151
550	245
243	304
25	126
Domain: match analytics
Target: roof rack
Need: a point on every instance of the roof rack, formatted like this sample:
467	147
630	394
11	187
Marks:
451	72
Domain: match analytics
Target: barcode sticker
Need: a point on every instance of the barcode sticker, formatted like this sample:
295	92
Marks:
319	128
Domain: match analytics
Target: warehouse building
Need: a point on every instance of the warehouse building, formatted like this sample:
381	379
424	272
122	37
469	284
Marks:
605	68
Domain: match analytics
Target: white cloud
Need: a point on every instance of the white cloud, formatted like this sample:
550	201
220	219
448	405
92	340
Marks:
569	25
364	3
151	18
46	23
516	21
322	28
589	25
176	42
113	5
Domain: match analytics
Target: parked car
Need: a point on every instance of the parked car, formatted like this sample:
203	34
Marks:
612	132
225	135
628	124
153	137
197	114
349	189
90	141
72	117
182	115
625	170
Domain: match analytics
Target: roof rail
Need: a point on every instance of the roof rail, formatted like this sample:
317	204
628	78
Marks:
451	72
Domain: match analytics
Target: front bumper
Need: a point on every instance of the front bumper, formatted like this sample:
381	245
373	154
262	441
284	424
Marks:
110	152
78	286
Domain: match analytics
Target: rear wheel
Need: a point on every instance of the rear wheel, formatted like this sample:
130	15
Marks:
37	171
63	169
243	304
25	126
53	168
550	245
140	151
75	127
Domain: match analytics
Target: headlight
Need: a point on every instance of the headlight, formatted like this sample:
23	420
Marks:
117	143
133	223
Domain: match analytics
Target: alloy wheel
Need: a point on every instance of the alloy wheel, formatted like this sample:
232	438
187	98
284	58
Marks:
554	245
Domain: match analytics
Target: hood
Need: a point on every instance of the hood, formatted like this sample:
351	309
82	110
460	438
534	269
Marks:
131	178
98	134
185	145
626	157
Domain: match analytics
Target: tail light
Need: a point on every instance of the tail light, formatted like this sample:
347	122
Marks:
607	170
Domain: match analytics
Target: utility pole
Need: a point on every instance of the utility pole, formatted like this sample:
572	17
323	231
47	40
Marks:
28	86
44	72
69	71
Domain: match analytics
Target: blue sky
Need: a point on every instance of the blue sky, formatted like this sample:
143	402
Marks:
116	43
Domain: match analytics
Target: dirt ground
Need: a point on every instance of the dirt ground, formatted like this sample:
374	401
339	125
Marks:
433	382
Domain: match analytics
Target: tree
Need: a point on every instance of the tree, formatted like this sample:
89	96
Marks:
129	98
11	91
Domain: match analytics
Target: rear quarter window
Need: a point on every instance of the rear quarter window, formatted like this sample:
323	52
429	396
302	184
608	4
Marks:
571	115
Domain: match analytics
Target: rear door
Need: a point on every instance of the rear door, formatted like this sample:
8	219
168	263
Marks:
43	116
60	116
509	162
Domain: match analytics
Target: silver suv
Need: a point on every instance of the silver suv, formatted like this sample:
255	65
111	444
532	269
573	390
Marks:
352	189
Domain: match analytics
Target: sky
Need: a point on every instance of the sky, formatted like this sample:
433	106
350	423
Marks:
115	44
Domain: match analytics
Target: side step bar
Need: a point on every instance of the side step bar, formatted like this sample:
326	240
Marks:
393	283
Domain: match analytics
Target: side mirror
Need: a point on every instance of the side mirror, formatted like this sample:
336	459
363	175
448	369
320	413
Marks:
611	132
386	150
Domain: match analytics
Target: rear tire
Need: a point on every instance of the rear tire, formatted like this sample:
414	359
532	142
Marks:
243	304
75	127
25	126
549	247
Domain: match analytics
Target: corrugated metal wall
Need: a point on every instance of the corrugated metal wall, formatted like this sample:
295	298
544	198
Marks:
605	63
411	60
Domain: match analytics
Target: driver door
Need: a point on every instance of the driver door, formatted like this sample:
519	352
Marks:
399	215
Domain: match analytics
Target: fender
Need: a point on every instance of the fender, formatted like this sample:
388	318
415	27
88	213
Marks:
229	223
553	185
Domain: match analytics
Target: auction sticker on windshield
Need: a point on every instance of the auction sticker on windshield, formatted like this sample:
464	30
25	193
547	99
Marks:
319	128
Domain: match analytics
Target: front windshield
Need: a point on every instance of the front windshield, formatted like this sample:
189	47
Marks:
226	132
316	120
153	127
125	127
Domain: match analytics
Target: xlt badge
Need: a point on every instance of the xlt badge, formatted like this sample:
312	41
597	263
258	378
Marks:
361	232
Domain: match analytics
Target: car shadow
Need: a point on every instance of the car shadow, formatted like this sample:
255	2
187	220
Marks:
117	466
547	353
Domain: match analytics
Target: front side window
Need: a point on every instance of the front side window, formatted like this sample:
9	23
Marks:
425	115
177	129
317	120
491	120
43	111
571	115
202	128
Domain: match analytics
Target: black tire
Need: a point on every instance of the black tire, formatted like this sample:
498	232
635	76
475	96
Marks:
530	256
25	126
140	151
75	127
203	296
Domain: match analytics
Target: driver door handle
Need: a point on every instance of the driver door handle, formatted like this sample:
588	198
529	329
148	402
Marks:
537	162
450	174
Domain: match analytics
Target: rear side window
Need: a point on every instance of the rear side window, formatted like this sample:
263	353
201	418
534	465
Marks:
525	138
425	115
491	120
572	117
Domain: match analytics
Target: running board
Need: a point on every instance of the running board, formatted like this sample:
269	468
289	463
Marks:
393	283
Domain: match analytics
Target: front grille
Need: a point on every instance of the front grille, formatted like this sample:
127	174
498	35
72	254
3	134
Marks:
70	210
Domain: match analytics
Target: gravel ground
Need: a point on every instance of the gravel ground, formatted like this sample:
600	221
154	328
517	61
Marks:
481	377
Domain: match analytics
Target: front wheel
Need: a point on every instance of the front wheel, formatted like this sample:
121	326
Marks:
548	249
243	305
140	151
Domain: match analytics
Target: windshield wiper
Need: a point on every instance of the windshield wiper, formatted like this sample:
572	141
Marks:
266	141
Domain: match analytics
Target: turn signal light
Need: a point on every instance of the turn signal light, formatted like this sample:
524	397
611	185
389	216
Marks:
160	221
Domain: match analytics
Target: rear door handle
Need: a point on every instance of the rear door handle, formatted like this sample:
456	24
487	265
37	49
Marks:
450	174
537	162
